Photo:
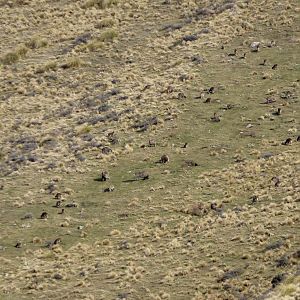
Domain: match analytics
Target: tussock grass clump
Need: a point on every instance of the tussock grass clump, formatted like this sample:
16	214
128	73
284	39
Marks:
73	62
95	45
14	3
101	4
84	130
50	66
36	43
108	35
12	57
107	22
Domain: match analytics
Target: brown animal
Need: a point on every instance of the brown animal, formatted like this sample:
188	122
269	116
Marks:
215	118
58	196
58	204
18	245
57	241
44	215
277	112
104	176
185	145
287	142
151	143
164	159
62	211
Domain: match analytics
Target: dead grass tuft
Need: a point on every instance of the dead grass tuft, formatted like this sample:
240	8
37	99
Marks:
101	4
50	66
95	45
73	63
14	56
36	43
107	22
108	36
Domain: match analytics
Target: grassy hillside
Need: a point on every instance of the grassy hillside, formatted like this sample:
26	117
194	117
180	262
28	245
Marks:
113	86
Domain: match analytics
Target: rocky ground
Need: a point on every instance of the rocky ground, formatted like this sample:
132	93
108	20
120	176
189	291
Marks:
199	134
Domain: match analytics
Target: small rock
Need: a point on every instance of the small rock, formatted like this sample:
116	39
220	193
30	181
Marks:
255	46
57	276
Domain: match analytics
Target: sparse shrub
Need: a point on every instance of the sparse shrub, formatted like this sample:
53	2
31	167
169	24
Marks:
36	43
101	4
108	35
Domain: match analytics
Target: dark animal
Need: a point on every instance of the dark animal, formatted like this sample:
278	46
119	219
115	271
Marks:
287	142
164	159
215	118
44	215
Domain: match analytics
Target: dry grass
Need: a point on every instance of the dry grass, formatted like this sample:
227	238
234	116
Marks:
36	43
223	228
108	36
101	4
107	22
14	56
73	63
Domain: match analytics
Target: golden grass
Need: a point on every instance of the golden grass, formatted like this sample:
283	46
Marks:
50	66
158	238
107	22
108	35
13	56
101	4
36	43
73	63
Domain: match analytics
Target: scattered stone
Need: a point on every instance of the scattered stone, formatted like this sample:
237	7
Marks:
58	276
124	245
190	38
27	216
254	46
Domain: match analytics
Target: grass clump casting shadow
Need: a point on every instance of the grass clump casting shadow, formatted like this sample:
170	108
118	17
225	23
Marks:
101	4
73	63
13	56
108	35
36	43
107	22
